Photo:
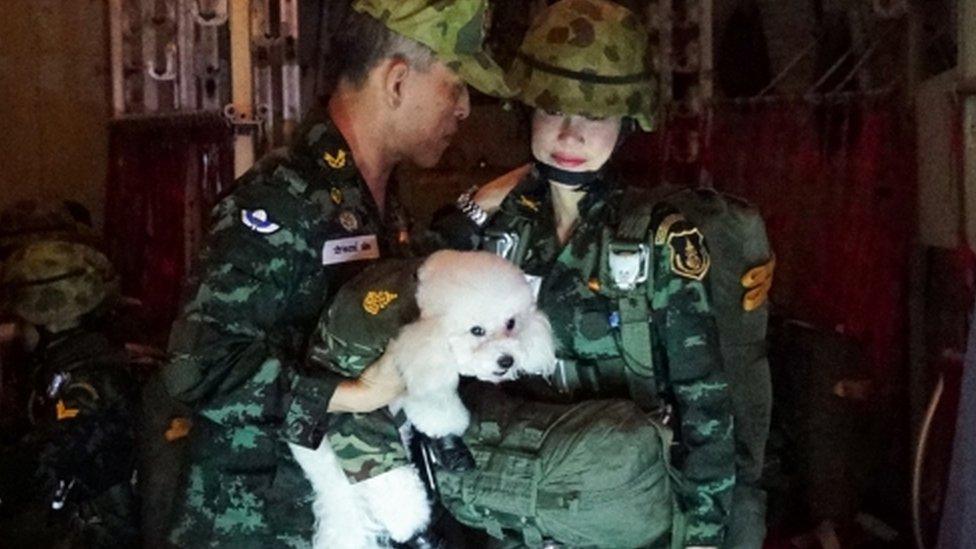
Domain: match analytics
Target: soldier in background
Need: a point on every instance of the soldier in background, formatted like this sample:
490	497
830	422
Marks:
68	482
20	224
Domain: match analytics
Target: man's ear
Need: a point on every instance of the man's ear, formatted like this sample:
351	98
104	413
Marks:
394	73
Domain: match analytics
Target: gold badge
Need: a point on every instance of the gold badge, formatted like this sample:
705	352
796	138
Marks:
336	162
336	195
64	412
758	281
377	300
688	256
349	221
179	427
528	203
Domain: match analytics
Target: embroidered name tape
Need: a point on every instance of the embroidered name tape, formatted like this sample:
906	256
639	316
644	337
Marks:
257	221
354	248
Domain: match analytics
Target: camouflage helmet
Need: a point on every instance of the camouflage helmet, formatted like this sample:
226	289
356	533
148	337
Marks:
586	57
28	221
454	29
53	283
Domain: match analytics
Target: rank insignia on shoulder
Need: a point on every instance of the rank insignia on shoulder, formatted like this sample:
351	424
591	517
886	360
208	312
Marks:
257	221
377	300
688	255
528	203
64	412
336	162
348	220
336	195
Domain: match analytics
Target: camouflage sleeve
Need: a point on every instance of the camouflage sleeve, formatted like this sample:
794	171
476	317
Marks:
449	229
227	360
684	321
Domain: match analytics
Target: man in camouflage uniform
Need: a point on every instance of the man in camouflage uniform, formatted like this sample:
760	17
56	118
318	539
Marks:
582	66
292	232
68	481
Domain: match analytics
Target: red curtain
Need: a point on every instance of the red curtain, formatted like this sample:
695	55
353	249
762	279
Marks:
837	186
165	174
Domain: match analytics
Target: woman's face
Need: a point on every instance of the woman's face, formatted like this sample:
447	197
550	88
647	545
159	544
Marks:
571	142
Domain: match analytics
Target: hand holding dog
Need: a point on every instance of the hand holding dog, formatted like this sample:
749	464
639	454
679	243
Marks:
379	385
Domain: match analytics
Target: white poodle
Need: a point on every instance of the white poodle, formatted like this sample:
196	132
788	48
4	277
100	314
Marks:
477	318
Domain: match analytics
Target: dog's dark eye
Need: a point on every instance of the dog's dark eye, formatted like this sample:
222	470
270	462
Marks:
477	331
510	325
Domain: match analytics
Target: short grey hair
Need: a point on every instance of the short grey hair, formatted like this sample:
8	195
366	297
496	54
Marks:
362	42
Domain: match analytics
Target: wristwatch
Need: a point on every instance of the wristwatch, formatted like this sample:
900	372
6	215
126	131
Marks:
470	208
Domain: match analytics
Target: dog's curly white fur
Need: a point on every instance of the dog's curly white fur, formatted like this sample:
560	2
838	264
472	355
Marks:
477	318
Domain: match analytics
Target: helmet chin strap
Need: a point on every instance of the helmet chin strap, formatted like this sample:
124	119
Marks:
580	181
577	180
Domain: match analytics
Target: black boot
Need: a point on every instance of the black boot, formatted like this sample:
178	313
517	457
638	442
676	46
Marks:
452	453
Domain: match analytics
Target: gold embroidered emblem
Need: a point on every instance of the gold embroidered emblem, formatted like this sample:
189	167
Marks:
349	221
688	256
528	203
336	195
758	281
179	427
64	412
377	300
336	162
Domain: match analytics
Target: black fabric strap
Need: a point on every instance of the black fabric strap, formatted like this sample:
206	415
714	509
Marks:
584	76
574	179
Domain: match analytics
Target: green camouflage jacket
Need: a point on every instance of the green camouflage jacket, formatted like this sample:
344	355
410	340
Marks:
295	228
586	326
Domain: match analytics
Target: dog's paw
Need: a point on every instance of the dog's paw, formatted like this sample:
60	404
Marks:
452	453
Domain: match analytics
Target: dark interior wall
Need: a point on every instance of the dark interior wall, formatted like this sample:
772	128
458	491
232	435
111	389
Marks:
53	102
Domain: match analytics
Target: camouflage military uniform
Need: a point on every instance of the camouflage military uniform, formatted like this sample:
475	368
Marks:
589	58
586	325
67	482
80	449
294	230
281	245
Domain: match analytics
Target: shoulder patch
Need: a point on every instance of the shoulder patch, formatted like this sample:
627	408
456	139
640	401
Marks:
661	236
63	412
258	221
689	258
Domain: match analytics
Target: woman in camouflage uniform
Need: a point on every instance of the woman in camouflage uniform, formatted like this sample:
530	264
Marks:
622	275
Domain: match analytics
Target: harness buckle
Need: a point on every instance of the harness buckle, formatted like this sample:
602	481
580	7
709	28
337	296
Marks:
628	266
502	244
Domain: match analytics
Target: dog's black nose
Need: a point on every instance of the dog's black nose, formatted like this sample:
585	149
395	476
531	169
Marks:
506	361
